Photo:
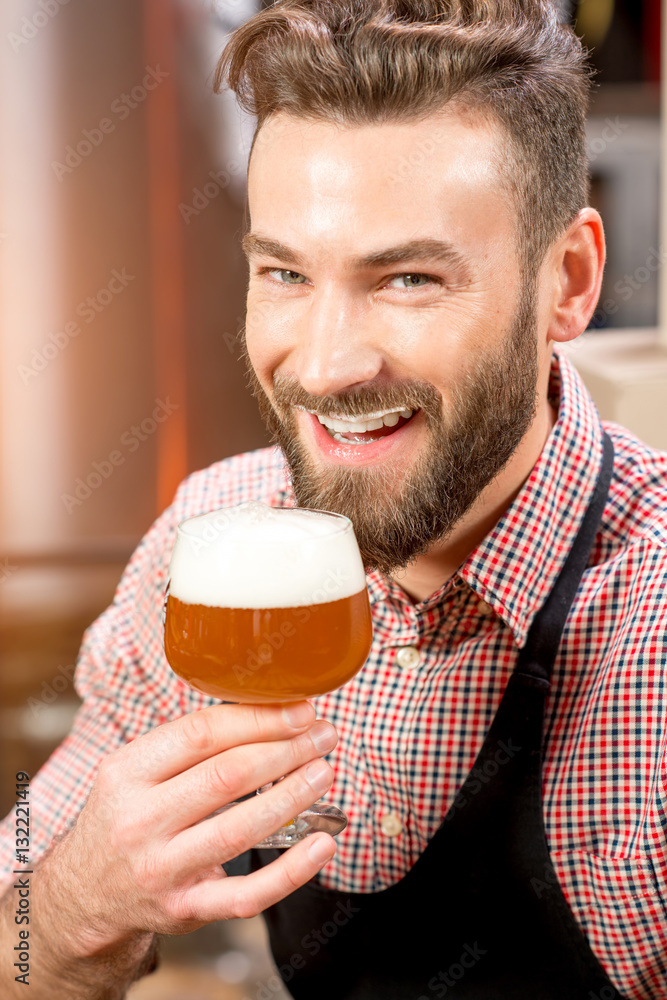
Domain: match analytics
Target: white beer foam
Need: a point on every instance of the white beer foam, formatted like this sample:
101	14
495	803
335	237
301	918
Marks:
254	556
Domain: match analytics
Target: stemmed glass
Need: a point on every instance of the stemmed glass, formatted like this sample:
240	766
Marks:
268	605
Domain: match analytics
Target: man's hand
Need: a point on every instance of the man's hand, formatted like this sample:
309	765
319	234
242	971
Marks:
140	862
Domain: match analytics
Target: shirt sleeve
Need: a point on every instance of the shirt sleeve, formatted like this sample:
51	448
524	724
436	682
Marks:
126	686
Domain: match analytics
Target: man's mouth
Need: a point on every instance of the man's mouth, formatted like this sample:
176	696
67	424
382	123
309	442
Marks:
364	428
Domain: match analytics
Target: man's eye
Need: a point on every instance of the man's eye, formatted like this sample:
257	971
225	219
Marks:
287	277
409	281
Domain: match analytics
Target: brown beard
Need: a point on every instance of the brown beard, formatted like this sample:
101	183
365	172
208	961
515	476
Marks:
397	517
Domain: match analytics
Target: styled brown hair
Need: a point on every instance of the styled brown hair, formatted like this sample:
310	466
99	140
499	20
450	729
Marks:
360	62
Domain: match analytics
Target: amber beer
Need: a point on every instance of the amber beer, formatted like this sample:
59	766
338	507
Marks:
268	654
266	605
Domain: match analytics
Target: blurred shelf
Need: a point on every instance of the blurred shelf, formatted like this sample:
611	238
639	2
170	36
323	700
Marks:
626	373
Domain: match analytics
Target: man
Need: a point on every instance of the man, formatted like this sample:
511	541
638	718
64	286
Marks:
419	246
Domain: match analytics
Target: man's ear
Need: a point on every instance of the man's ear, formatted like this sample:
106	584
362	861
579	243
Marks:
575	266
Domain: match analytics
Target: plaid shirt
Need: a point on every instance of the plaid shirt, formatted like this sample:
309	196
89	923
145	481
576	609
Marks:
412	721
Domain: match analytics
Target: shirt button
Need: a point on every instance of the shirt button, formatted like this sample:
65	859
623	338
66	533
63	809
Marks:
391	825
408	657
485	608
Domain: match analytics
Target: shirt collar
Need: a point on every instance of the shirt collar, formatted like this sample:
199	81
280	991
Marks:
516	565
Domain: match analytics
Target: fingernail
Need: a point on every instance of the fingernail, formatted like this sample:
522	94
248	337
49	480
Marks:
319	775
298	714
324	736
320	849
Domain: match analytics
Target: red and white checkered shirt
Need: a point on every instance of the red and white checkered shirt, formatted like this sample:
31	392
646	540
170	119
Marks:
412	721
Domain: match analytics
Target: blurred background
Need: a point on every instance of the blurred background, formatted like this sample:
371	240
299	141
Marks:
122	193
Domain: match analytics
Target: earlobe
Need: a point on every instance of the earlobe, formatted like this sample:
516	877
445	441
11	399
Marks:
578	263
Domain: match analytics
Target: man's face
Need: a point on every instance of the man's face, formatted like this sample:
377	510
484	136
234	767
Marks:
384	287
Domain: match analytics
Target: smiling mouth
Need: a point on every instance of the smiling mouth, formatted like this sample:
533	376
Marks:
365	428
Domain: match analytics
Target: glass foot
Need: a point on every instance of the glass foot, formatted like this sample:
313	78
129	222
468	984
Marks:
321	817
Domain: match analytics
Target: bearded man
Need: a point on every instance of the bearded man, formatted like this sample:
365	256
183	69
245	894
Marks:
420	246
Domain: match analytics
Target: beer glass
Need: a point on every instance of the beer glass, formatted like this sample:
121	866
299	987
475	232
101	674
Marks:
268	605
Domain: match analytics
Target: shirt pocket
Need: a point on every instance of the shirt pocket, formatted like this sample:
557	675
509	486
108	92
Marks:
620	905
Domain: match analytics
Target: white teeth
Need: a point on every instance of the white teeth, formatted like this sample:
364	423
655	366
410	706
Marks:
362	424
343	440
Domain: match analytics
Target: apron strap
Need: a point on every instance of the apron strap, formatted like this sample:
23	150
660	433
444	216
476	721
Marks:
539	652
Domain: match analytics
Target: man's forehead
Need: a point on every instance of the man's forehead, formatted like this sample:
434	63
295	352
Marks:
455	114
456	144
436	178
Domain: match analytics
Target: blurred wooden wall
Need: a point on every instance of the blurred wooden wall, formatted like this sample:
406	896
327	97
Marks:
89	209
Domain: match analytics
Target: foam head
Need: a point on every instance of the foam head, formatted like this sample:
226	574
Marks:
254	556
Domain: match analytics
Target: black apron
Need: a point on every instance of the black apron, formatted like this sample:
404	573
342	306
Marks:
481	912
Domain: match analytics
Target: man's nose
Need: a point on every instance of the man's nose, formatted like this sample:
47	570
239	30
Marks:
338	345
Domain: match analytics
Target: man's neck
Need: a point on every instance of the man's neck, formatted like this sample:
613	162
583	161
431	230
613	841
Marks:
428	572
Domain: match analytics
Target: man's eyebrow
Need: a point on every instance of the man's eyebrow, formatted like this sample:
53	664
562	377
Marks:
254	245
425	249
428	250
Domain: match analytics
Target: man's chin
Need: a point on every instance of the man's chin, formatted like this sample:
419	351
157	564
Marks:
374	500
354	487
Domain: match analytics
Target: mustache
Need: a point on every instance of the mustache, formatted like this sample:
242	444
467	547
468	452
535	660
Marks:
405	394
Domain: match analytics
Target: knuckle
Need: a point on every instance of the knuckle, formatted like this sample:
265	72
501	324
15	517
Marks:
107	769
179	908
255	721
147	875
243	904
285	800
257	718
109	790
125	832
225	775
234	842
223	837
197	731
301	749
291	880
